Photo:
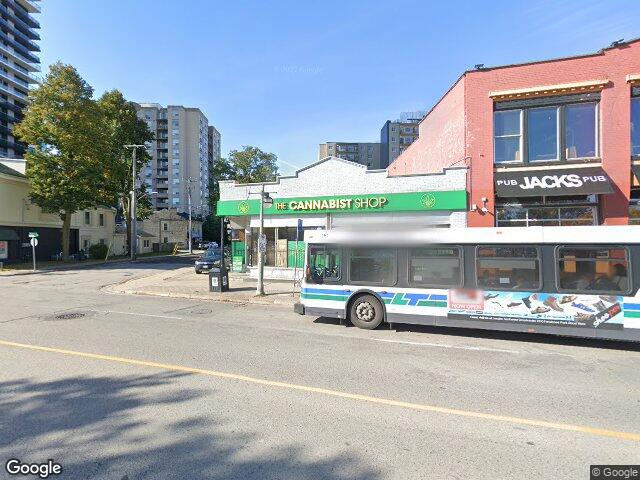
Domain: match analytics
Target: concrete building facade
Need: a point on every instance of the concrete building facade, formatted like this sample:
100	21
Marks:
397	135
552	142
367	154
168	226
215	146
180	157
18	62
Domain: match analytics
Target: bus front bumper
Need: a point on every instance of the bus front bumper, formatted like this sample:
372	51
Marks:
298	308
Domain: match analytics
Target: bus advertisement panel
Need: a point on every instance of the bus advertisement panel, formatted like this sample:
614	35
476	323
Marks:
590	311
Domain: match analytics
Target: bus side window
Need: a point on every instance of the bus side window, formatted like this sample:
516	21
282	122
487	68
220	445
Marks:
324	264
508	268
592	269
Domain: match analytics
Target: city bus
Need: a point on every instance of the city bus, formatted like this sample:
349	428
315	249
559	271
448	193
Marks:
578	281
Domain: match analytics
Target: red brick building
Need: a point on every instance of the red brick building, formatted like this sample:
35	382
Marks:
552	142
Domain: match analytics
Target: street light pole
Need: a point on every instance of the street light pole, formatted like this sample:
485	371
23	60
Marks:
260	287
190	228
133	243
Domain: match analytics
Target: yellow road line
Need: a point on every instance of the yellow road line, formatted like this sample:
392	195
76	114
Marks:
339	394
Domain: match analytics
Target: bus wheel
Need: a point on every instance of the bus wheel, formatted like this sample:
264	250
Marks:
366	312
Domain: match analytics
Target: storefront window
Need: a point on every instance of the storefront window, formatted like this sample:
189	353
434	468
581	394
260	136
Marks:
634	212
542	213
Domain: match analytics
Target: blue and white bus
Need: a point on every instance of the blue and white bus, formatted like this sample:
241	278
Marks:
577	281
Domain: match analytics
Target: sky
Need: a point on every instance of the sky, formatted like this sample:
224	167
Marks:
287	75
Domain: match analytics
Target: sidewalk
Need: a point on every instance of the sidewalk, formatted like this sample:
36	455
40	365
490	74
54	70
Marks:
185	283
26	269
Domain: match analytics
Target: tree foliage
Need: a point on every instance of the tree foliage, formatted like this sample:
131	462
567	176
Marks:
252	165
62	125
121	126
249	165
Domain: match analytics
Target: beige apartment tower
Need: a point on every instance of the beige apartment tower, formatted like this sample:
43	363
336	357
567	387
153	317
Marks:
367	154
180	157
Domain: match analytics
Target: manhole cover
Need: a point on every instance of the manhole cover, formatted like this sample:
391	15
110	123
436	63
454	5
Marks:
70	316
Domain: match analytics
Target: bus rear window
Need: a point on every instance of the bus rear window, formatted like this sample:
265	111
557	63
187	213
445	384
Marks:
438	266
508	268
598	270
324	264
373	266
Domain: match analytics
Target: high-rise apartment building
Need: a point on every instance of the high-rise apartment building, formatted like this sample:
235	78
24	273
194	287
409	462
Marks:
17	44
214	146
397	135
180	157
367	154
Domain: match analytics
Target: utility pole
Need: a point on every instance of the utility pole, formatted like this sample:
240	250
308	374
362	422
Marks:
190	229
133	243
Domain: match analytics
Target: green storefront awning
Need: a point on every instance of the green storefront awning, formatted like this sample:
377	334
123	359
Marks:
8	234
368	203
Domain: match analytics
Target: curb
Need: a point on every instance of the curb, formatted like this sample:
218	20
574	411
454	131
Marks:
248	301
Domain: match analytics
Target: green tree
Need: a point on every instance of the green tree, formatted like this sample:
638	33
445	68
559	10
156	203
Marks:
61	123
222	170
251	165
121	126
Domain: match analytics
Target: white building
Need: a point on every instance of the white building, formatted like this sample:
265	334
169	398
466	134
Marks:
336	193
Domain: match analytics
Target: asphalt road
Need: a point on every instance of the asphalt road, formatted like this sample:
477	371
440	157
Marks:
151	388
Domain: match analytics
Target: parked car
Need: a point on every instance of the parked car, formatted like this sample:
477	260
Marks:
210	259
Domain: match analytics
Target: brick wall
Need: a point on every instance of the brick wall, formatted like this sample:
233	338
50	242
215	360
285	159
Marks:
466	112
614	121
441	140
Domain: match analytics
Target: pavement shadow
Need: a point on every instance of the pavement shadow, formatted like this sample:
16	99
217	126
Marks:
96	428
501	335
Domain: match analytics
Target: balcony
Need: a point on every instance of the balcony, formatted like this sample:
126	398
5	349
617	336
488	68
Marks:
29	6
12	91
17	46
20	147
20	37
28	64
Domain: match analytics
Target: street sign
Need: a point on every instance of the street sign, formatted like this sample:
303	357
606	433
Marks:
262	243
299	229
34	244
34	234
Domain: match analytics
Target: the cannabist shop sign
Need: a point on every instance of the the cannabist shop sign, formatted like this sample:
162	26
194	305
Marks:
370	203
565	181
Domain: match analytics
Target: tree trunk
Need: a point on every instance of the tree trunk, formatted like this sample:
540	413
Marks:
66	232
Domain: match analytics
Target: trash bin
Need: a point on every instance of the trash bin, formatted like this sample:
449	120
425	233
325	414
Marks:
218	279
